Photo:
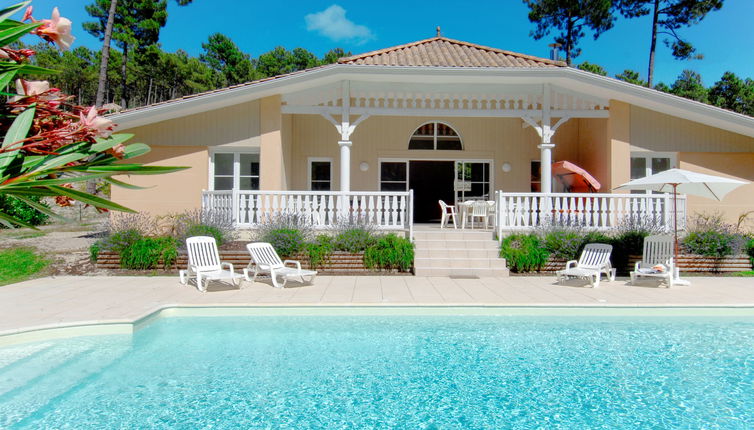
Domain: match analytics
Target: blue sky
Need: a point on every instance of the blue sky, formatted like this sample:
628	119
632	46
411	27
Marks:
725	37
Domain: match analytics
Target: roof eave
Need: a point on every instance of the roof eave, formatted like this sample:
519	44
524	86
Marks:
607	87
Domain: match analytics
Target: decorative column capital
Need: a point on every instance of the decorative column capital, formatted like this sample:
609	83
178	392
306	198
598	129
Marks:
349	143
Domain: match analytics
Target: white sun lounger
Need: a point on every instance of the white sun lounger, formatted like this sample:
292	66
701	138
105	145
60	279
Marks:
265	259
204	264
658	250
594	261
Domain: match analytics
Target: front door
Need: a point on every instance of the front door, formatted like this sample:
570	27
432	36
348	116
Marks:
431	181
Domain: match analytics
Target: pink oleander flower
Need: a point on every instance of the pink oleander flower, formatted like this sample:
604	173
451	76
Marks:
27	14
31	88
101	126
118	151
56	30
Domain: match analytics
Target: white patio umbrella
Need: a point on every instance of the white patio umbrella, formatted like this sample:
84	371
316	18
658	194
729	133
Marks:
685	182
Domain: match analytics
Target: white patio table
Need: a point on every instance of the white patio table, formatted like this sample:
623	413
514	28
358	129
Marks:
466	207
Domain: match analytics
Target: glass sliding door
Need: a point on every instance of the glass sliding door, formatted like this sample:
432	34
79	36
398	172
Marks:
472	181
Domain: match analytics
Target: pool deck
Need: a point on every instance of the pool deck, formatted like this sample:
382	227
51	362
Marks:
70	300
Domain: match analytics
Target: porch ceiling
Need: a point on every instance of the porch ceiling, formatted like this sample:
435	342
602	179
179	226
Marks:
435	99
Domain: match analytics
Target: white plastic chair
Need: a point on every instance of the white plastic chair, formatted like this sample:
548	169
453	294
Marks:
479	209
265	259
593	262
448	213
658	250
204	264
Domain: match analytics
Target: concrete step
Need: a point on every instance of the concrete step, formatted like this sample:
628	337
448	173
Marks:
456	253
455	244
453	235
466	272
460	263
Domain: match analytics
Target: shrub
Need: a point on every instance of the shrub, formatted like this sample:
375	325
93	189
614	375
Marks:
523	252
149	252
139	222
354	240
564	244
16	208
206	230
750	249
286	241
390	252
116	242
200	223
710	235
711	243
319	251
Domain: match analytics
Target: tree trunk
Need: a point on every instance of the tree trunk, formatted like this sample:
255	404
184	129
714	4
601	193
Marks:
655	15
105	55
124	78
569	41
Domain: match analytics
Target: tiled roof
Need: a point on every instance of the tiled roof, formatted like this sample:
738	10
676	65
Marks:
437	51
443	52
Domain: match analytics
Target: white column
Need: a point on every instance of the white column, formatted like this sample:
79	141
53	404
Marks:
345	165
546	166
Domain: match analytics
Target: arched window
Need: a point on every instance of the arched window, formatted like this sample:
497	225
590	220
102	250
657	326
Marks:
435	135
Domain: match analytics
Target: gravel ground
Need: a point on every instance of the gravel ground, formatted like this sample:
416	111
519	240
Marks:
66	244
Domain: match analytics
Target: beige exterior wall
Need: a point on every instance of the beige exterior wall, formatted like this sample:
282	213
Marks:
170	193
702	149
287	142
187	142
499	140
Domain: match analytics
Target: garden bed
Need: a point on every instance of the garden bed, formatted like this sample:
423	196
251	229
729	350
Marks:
339	263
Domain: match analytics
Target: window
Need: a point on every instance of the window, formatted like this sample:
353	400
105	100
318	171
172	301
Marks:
435	135
472	180
648	163
393	176
536	176
320	174
235	170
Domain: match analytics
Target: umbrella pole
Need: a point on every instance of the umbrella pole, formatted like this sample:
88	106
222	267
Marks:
675	222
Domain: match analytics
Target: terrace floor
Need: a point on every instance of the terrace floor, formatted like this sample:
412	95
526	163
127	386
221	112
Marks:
60	301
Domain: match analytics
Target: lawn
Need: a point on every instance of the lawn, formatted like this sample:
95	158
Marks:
748	273
19	264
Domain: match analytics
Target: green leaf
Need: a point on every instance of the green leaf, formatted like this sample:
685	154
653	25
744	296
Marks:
105	144
125	185
36	70
14	33
6	78
130	169
10	10
59	181
20	127
17	131
89	199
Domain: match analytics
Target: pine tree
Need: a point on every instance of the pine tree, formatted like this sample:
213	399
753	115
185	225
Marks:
571	17
593	68
232	65
689	85
668	16
631	76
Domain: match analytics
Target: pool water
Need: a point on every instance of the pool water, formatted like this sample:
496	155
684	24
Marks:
415	372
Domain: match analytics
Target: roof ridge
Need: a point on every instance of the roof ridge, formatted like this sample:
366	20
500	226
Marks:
365	55
388	49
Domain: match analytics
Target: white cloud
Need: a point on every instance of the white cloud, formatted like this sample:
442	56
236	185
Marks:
333	24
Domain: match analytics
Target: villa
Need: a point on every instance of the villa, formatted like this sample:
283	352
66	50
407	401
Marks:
388	133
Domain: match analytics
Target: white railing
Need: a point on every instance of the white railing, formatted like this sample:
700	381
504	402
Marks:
526	211
321	209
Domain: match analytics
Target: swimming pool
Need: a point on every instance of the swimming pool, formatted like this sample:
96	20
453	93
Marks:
389	371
